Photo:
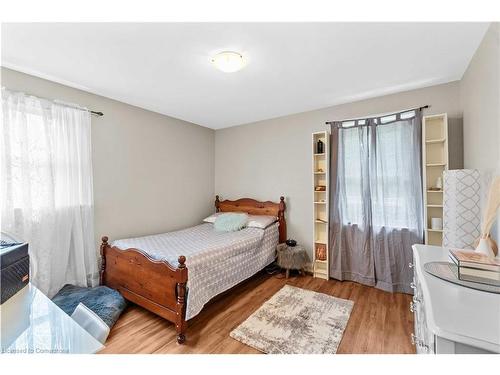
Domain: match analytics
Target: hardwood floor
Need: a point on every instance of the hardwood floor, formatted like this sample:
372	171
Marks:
380	322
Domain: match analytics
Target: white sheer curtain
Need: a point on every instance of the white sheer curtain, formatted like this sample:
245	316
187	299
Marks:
46	188
377	210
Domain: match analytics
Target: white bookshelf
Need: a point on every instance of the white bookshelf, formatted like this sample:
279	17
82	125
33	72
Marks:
320	177
435	162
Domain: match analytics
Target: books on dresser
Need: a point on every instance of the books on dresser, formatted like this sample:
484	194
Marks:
476	267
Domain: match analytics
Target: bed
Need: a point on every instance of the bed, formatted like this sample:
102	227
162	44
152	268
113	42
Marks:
152	271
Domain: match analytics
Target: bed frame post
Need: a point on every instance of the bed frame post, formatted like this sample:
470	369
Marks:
217	203
180	309
281	219
103	247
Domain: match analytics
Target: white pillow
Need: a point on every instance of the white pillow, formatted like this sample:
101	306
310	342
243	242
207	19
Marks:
260	221
211	218
254	221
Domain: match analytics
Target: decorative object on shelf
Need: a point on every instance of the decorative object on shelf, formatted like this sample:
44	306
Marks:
320	251
487	245
320	147
461	208
320	188
319	170
436	223
291	258
291	243
439	183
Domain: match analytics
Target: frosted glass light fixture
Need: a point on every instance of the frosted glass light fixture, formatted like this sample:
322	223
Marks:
228	61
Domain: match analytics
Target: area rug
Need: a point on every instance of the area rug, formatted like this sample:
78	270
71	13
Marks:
296	321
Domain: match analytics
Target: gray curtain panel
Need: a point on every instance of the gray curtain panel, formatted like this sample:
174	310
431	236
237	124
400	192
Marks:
376	210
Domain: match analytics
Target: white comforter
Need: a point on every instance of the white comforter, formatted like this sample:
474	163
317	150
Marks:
216	261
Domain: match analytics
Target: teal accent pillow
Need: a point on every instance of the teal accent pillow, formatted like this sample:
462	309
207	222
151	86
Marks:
230	222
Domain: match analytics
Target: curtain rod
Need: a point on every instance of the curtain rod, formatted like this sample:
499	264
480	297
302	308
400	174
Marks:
96	113
381	115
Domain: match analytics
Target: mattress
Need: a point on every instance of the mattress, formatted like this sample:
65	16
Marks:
216	261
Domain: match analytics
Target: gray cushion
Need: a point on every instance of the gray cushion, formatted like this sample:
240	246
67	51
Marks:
107	303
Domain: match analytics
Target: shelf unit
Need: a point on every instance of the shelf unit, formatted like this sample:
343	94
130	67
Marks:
320	177
435	162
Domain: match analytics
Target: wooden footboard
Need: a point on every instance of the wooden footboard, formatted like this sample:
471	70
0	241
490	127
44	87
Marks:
155	285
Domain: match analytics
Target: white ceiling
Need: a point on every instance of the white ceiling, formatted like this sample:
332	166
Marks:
292	67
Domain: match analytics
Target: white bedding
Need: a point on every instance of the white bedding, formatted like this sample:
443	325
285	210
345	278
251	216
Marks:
216	261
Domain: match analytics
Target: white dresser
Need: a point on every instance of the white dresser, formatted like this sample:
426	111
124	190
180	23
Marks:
450	318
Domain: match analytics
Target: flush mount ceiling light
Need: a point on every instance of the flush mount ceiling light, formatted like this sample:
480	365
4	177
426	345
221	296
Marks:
228	61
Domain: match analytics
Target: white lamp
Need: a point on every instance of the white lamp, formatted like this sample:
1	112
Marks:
228	61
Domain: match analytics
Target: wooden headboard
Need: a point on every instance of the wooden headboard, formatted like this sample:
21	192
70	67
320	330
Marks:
253	207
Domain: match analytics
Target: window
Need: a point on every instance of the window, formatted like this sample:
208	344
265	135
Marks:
46	188
378	173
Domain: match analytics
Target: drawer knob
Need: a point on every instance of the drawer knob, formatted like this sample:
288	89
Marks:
413	339
416	341
412	307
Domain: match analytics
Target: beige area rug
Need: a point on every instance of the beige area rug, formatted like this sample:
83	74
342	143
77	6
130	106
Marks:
296	321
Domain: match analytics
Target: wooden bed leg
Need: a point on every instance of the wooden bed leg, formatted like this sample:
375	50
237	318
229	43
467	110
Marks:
103	247
180	321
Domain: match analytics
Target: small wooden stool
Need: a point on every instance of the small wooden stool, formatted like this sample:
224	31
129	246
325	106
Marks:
291	258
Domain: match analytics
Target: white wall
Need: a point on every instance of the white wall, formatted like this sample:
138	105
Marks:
266	159
152	173
480	100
